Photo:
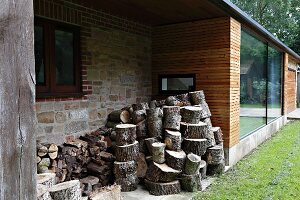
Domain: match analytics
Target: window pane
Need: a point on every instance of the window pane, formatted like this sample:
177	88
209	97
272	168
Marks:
253	84
64	58
274	83
39	55
177	83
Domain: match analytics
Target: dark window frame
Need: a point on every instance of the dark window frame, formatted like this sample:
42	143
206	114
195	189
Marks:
50	88
174	92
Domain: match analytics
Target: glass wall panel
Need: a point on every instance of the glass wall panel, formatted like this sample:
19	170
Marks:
253	83
274	84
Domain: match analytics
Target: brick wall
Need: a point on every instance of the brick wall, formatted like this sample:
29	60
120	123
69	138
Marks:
116	70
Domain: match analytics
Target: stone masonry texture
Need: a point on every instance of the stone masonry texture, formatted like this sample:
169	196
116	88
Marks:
116	70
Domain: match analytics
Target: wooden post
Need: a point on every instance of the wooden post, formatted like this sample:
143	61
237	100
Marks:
17	97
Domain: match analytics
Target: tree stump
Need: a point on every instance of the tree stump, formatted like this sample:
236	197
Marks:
195	146
159	189
192	164
42	192
47	179
191	183
175	159
203	169
141	129
191	114
119	116
138	116
154	122
172	117
218	135
149	142
194	131
197	97
161	173
217	169
173	140
125	134
122	169
127	152
214	155
142	166
158	152
128	183
69	190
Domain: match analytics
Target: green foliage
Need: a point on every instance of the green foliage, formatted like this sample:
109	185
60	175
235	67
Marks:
280	17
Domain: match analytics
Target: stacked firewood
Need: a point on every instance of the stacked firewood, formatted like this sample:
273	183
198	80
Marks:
126	151
85	159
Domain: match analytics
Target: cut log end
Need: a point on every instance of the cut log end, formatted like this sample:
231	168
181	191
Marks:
192	164
175	159
69	190
158	152
158	189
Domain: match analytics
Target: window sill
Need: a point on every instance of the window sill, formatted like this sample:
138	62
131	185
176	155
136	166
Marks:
60	95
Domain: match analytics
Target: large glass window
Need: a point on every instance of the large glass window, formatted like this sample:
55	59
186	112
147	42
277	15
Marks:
260	83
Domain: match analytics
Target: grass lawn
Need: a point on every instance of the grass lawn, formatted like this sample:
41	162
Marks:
249	124
272	171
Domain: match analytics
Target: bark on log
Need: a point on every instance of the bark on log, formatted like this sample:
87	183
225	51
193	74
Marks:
127	152
154	122
173	101
159	189
122	169
175	160
203	169
184	98
129	183
197	97
218	135
208	122
143	146
194	131
214	155
149	142
42	192
119	116
217	169
125	134
111	124
161	173
47	179
153	104
53	155
205	111
138	116
42	150
172	117
141	166
191	183
158	152
195	146
161	103
192	164
141	129
66	191
173	140
191	114
140	106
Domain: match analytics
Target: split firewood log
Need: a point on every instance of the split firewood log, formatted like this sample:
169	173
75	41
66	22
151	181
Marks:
138	116
175	159
122	169
149	142
203	169
218	135
158	152
47	179
43	166
192	164
214	155
128	183
95	168
154	122
194	131
158	189
119	116
196	146
191	183
141	129
173	140
42	192
127	152
161	173
69	190
41	150
191	114
172	117
125	134
38	159
197	97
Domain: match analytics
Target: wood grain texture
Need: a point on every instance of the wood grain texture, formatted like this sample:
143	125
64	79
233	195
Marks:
210	49
289	85
17	99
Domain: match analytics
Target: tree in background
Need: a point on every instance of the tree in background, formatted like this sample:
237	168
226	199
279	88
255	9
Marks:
280	17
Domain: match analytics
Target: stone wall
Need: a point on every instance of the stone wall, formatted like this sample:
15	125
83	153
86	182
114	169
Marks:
116	70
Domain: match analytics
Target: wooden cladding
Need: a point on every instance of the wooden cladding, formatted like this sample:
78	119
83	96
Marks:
289	84
210	50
